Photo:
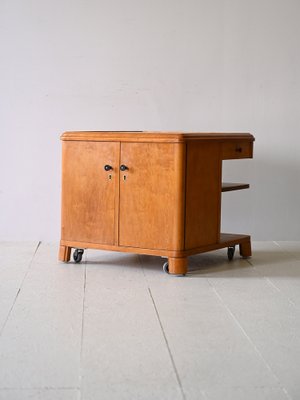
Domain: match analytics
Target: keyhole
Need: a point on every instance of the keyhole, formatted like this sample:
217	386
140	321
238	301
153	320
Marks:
109	176
124	177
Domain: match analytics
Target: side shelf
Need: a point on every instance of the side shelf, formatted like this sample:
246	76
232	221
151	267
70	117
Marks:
228	186
226	240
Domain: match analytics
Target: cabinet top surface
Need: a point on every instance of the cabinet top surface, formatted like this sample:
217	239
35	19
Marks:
152	136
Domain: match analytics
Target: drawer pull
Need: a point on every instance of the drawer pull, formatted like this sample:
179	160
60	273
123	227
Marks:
108	167
123	167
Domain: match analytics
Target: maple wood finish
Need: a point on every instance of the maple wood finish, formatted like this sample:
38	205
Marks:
203	193
65	253
153	193
233	149
177	266
245	249
151	196
88	195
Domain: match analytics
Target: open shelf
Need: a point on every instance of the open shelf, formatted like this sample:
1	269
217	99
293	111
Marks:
229	186
228	239
225	240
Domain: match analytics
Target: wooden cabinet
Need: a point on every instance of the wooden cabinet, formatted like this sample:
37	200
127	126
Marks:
147	192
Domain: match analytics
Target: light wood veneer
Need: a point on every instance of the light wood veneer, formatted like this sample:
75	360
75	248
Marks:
166	201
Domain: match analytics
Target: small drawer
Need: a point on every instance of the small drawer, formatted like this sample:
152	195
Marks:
237	149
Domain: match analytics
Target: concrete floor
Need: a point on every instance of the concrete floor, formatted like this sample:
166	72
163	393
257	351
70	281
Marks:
116	327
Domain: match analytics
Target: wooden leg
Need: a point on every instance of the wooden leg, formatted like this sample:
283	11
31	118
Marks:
177	266
64	253
245	249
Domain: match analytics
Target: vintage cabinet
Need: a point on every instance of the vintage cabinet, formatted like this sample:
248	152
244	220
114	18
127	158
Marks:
153	193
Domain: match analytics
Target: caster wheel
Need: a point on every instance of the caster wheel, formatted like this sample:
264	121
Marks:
166	267
77	255
230	252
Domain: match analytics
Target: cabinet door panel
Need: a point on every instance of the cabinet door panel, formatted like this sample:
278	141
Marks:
88	195
151	198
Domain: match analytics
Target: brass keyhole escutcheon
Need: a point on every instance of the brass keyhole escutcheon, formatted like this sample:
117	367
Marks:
124	178
109	176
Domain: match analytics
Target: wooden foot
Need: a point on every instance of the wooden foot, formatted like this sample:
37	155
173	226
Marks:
177	266
245	249
64	253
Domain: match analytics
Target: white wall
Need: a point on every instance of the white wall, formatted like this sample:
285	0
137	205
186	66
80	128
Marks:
213	65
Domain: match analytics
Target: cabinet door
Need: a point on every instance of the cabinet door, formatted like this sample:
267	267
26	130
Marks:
151	196
89	191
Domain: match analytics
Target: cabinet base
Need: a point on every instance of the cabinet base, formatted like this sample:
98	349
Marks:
177	260
177	266
64	253
245	249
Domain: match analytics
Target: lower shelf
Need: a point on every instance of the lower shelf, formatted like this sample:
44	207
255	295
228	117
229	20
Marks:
231	238
226	240
177	260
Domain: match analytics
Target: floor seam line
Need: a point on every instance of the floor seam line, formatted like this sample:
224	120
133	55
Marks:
249	339
263	276
204	395
19	290
82	327
162	330
168	346
290	252
269	281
